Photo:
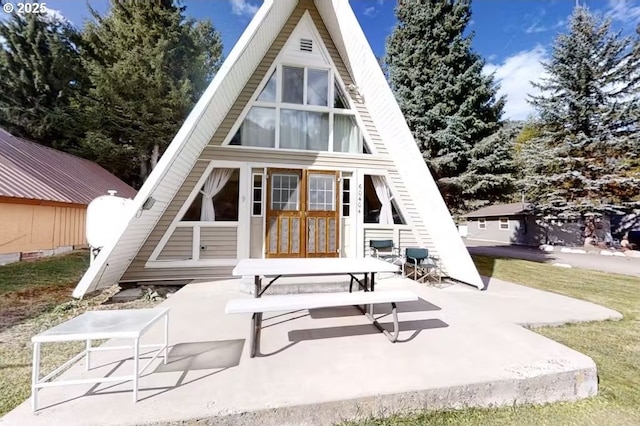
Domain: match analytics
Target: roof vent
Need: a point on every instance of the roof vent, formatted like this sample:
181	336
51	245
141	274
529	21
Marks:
306	45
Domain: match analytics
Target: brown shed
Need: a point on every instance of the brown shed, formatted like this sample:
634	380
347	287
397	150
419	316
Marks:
44	195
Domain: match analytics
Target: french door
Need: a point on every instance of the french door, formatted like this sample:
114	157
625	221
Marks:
302	213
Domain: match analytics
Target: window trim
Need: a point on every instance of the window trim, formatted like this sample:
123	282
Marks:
500	223
482	223
253	188
334	78
176	222
344	204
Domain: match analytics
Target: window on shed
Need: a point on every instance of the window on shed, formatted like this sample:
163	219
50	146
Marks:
504	223
482	223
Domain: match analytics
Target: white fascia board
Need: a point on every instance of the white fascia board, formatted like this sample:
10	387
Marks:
113	260
392	127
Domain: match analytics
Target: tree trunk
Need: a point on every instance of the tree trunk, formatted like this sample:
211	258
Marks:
144	168
155	156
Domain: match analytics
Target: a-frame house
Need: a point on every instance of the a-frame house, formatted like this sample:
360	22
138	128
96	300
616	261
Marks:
296	149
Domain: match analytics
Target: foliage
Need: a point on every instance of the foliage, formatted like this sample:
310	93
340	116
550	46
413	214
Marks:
41	76
491	176
147	65
587	156
449	104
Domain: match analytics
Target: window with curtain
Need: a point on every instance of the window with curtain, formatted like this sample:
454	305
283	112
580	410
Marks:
379	205
217	200
309	112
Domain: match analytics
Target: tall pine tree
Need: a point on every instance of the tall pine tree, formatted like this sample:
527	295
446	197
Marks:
449	104
148	65
587	157
491	175
41	76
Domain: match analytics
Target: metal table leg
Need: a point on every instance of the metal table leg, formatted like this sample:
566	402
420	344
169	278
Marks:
256	320
35	377
166	337
87	366
136	368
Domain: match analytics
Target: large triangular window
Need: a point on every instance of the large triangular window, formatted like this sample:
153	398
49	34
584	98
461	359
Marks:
301	108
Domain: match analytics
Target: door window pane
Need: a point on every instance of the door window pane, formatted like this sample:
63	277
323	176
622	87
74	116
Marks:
321	192
317	87
284	192
292	85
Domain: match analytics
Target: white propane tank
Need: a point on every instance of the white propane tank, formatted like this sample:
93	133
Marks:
105	217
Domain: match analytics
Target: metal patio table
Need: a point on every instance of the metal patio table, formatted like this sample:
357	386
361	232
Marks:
94	325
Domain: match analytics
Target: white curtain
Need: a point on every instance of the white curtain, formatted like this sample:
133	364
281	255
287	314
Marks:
384	196
212	186
293	129
346	134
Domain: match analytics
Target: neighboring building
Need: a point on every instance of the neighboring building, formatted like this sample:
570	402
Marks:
514	224
44	195
297	149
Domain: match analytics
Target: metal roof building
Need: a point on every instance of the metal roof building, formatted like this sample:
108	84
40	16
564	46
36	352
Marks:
43	197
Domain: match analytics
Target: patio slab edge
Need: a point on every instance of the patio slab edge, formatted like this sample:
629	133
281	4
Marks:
559	386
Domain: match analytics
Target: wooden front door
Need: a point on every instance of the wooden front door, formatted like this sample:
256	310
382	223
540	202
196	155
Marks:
302	213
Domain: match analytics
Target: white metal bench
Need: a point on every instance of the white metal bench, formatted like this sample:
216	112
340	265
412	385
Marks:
293	302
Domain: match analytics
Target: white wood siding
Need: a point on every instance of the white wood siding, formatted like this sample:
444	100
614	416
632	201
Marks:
376	234
179	246
218	243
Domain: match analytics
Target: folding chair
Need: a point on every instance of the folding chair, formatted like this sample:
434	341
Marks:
423	264
385	250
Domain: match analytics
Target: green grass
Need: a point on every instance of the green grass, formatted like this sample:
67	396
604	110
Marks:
613	345
35	296
50	271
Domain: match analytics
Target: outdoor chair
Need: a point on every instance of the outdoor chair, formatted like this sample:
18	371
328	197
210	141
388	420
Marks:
424	266
385	250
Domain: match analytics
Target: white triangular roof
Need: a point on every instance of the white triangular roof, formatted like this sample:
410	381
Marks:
196	132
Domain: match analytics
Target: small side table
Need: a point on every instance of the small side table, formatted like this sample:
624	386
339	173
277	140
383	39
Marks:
94	325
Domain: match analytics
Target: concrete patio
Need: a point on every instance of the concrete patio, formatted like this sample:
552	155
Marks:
458	347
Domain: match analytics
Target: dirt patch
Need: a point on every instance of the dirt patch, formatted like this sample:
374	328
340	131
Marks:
17	306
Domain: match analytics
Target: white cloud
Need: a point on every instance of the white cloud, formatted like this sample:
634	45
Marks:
243	8
623	11
515	74
537	28
371	11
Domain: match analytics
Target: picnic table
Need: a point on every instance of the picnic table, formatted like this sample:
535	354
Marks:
275	268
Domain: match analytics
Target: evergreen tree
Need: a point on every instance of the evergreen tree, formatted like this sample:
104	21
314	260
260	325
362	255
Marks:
449	104
41	75
148	66
587	157
491	175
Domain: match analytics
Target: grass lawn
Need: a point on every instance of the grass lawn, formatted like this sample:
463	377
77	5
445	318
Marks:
613	345
35	296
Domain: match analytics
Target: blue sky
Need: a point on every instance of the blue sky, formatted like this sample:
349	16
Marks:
512	35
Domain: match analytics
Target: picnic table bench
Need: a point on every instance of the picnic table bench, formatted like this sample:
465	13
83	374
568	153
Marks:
277	268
